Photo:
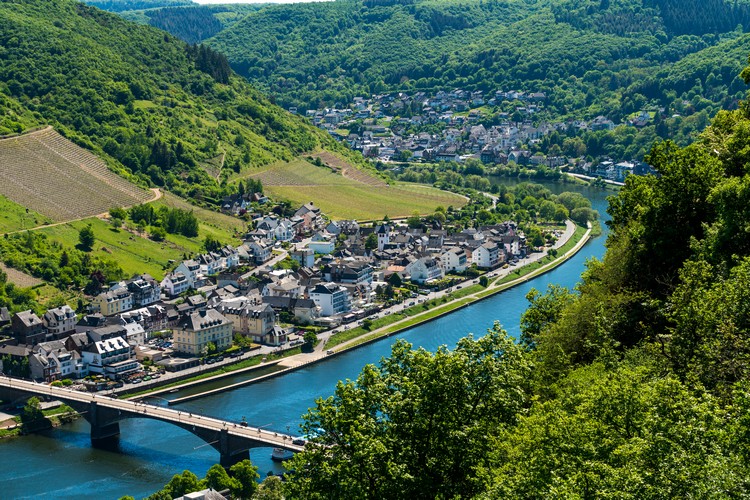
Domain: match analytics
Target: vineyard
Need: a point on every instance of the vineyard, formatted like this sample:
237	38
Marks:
45	172
349	171
356	195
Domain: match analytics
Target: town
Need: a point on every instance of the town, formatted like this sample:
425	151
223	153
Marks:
455	126
291	274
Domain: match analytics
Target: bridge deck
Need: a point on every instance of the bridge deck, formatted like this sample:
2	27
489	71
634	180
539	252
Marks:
272	439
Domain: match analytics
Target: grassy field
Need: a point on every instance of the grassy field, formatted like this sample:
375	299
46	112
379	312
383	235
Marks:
13	217
357	195
137	254
220	226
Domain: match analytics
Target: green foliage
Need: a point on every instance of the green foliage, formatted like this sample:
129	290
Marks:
270	489
371	242
32	417
35	254
218	479
151	105
589	58
245	476
180	484
542	311
211	244
118	213
14	367
86	238
420	424
310	338
623	433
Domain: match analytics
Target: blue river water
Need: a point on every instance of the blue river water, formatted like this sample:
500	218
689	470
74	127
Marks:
62	464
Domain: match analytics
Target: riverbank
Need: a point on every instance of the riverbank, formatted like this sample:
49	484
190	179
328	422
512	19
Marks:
501	279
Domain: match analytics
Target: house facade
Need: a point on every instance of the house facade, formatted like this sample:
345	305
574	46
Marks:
332	299
193	333
60	321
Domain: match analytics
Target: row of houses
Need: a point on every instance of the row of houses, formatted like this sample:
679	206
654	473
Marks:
209	299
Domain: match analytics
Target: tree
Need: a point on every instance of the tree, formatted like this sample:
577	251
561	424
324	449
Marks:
543	310
32	418
484	281
418	425
158	234
218	479
210	348
371	242
246	475
310	338
270	489
86	238
583	215
211	244
180	484
118	213
414	220
395	280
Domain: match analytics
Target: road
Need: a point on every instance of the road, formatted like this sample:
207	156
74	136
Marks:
320	350
157	412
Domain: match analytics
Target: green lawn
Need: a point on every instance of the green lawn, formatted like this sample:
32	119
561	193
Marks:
136	254
14	217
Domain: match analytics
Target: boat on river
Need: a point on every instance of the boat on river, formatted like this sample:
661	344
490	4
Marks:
280	454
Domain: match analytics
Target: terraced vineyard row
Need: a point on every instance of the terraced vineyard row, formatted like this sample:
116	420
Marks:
349	171
300	173
47	173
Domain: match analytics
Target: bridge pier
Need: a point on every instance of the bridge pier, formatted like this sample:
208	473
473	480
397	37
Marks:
103	430
231	451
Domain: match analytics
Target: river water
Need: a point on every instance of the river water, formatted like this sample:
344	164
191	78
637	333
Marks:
62	464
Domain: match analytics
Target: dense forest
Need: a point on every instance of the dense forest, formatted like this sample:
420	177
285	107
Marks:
590	57
634	385
153	105
125	5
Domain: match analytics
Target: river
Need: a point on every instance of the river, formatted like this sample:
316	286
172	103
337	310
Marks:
62	464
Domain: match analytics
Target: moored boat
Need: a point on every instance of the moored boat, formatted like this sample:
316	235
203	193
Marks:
280	454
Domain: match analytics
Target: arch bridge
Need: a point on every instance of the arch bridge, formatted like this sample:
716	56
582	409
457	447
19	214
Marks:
104	414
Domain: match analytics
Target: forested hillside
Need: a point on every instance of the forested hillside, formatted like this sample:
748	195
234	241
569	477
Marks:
155	106
635	385
589	57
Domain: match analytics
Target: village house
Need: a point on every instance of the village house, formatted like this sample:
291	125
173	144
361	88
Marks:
249	319
175	284
453	260
28	328
332	299
322	243
191	270
487	255
423	270
112	302
111	357
60	321
194	333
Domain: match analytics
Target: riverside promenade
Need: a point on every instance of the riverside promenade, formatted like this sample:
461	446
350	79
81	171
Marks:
498	282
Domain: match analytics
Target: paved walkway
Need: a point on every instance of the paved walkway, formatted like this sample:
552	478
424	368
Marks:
496	275
321	350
